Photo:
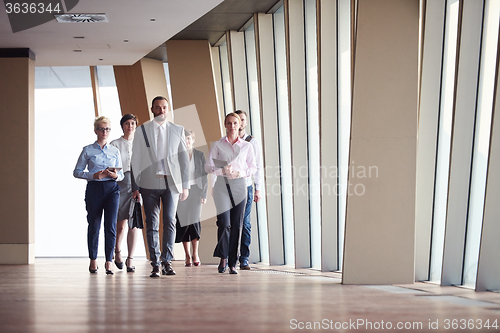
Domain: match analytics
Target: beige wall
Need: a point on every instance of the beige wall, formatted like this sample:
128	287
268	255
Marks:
138	84
17	86
132	91
193	88
380	223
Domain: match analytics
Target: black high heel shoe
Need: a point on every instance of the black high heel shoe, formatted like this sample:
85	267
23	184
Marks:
130	269
93	271
222	265
108	271
118	264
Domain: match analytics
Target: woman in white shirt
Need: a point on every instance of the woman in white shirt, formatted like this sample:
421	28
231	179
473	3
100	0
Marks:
124	144
231	159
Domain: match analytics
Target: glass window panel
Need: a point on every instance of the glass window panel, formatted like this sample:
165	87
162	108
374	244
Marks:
313	131
226	80
62	77
444	140
284	135
481	140
64	117
255	129
110	103
344	112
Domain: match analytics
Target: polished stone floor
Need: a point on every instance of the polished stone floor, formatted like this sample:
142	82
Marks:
59	295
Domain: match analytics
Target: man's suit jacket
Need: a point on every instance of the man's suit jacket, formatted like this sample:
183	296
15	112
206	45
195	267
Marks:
200	173
144	161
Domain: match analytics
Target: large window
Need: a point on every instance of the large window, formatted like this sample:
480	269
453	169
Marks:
305	234
64	118
468	62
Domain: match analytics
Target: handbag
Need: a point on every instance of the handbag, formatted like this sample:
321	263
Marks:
135	215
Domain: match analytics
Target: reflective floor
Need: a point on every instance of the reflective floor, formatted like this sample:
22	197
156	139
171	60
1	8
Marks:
59	295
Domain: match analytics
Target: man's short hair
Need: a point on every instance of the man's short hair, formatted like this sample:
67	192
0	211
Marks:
240	112
158	98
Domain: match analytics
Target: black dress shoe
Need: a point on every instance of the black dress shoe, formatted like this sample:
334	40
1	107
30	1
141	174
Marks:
109	272
166	268
93	271
118	264
155	272
222	265
232	270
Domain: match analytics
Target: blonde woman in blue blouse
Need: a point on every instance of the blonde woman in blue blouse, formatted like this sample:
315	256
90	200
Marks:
100	164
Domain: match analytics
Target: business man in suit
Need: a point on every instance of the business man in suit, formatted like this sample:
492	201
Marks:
160	175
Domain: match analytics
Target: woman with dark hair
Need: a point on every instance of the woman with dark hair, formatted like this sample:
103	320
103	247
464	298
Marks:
100	164
189	211
124	145
231	159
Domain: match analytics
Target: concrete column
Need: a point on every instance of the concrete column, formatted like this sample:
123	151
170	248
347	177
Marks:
17	170
380	222
138	84
195	101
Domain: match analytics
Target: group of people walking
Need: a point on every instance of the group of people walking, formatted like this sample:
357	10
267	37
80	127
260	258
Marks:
160	165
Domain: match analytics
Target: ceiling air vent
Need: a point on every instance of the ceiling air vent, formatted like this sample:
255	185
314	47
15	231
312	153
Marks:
81	18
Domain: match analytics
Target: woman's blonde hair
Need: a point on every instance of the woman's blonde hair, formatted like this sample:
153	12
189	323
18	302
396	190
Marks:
100	120
232	114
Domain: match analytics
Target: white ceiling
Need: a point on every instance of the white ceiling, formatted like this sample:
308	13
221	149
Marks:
53	43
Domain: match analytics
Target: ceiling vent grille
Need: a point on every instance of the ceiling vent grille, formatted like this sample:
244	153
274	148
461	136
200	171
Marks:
81	18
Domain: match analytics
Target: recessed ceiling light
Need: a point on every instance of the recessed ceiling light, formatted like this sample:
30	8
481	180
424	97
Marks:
125	40
153	19
81	18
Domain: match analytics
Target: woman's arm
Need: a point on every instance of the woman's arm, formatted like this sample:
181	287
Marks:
81	165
